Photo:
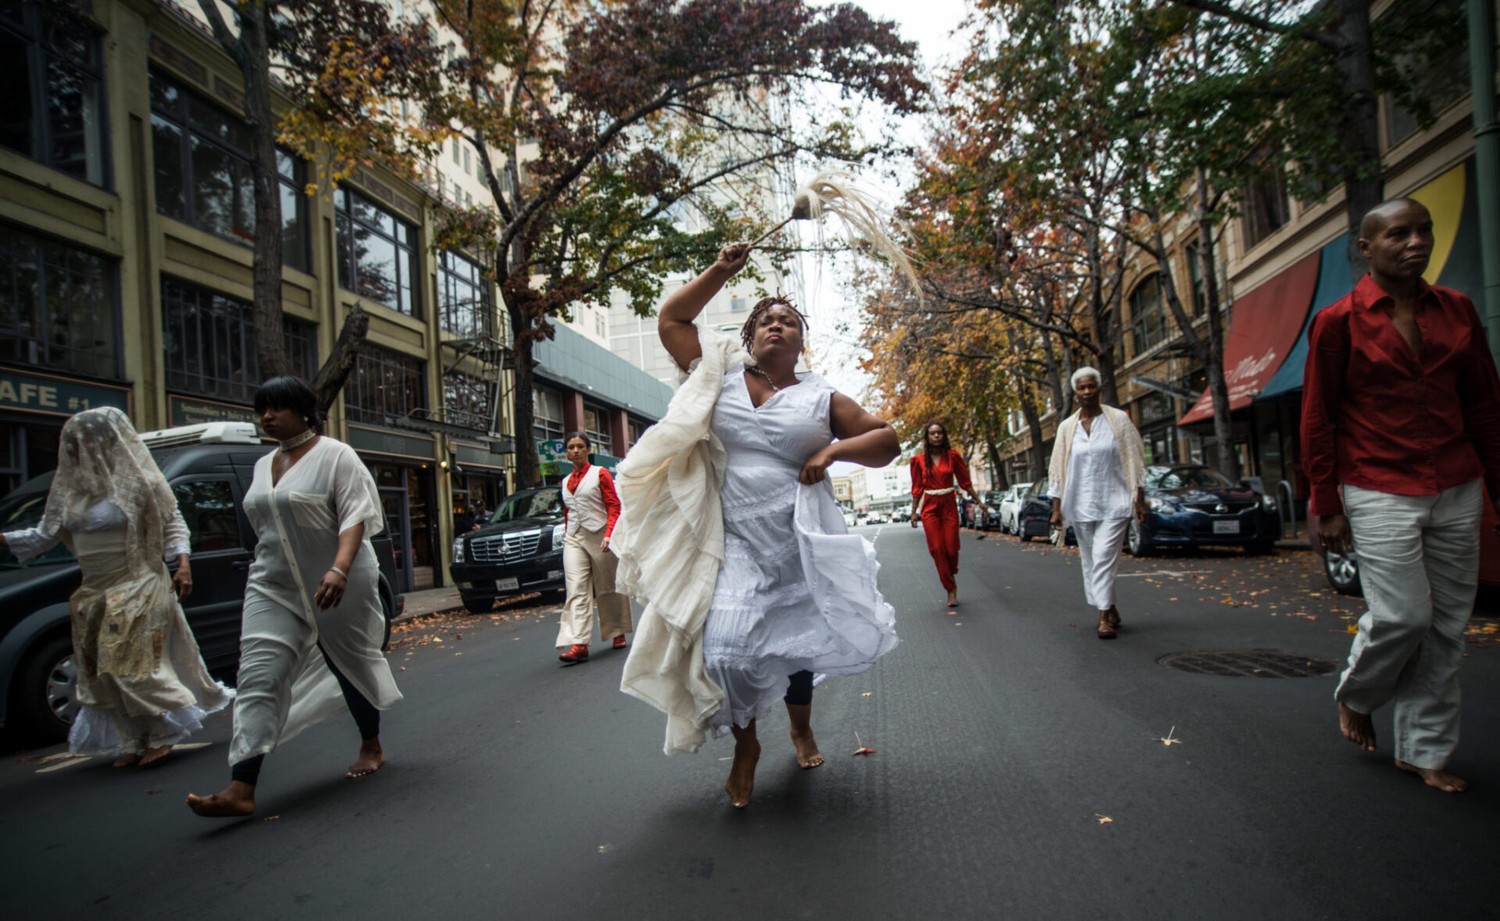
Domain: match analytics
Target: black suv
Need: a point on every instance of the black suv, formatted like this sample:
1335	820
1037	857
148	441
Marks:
518	550
210	468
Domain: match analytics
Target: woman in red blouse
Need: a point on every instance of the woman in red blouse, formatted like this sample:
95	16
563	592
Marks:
934	473
591	508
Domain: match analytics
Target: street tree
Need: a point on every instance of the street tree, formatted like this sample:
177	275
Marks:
343	66
625	141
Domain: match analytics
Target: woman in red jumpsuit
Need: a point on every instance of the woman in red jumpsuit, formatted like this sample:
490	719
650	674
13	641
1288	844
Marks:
937	472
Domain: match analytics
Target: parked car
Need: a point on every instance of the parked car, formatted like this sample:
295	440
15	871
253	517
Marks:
875	518
991	506
1010	507
1034	514
1196	506
209	468
519	549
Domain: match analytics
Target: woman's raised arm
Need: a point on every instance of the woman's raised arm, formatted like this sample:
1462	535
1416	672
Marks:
674	321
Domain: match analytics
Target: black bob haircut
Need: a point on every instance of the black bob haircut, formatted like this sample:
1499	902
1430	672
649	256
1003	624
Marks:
292	393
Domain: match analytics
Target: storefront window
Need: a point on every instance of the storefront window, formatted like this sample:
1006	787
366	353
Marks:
384	385
57	306
377	253
209	340
52	71
464	297
202	165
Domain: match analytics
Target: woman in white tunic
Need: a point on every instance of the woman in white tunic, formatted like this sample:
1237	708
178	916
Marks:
795	597
591	508
142	685
313	624
1098	478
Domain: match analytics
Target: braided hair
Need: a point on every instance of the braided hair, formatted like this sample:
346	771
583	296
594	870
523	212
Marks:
761	308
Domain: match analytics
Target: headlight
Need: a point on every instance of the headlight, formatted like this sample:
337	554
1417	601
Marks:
557	536
458	550
1157	504
1267	503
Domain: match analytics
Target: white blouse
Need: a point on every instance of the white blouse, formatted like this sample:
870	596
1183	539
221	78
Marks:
1096	479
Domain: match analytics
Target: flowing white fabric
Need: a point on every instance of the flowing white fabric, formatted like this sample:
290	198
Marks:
748	575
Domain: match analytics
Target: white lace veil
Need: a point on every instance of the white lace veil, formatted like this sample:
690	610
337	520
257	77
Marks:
100	456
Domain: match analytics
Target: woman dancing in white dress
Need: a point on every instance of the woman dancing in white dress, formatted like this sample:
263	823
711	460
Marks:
751	597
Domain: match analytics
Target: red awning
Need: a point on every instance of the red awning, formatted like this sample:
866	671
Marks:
1263	328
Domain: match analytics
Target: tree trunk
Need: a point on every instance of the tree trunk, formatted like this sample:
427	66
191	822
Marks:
1218	385
1364	184
270	342
340	363
528	465
1038	459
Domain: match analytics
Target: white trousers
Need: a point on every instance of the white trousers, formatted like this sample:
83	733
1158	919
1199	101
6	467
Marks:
1419	564
1099	544
590	573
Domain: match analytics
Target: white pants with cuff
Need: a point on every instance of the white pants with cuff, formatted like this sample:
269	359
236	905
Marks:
1099	544
1419	564
590	573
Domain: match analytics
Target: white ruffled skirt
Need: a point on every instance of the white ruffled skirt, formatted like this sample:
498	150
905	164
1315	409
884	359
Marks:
797	592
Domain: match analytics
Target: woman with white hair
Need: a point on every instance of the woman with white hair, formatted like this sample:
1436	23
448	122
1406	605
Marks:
1098	478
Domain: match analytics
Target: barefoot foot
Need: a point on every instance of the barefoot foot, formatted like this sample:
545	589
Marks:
155	756
1357	728
371	757
953	598
742	773
808	756
1438	780
237	799
126	760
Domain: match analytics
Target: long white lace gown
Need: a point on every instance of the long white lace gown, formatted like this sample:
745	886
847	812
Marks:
797	591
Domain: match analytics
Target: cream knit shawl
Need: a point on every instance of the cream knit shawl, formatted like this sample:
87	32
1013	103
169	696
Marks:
1127	442
670	542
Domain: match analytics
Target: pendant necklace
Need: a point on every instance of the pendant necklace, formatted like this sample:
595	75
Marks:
297	441
762	372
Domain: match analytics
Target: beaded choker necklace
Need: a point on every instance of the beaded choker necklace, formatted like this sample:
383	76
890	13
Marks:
297	441
762	372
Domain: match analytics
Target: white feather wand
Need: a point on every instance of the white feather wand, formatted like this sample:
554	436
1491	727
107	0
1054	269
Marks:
836	193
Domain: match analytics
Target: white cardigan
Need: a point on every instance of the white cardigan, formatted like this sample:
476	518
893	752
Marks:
1127	441
670	542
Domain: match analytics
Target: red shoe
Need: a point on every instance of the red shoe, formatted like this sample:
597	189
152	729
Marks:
575	654
620	641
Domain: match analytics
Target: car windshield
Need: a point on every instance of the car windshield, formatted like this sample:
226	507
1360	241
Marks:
544	503
1185	478
23	509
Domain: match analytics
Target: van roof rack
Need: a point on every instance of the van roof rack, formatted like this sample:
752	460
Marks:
203	434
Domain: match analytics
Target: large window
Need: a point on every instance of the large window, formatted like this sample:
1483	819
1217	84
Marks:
464	297
547	413
57	306
466	401
1194	257
384	384
1148	317
51	67
596	424
209	339
377	253
202	165
1266	207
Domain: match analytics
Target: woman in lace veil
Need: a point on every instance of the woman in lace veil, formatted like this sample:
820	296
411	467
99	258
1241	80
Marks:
142	685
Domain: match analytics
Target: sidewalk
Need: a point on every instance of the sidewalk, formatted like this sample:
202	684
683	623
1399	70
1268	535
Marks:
431	601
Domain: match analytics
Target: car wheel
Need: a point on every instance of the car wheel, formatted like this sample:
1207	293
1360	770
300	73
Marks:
46	689
1342	573
1135	541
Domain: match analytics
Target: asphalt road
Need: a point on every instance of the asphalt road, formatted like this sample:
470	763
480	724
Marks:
1019	772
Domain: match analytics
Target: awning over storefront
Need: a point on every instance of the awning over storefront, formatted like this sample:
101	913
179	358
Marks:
1263	328
1455	262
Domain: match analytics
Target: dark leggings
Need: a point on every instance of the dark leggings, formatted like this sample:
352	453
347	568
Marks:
366	717
799	689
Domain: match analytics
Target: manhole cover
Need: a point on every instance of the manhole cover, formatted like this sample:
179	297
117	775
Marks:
1248	663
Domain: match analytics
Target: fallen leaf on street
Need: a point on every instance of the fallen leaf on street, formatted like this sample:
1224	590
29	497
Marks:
866	693
866	750
271	818
1167	740
605	847
1103	819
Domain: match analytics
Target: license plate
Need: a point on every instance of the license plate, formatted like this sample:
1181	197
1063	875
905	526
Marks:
507	585
1227	527
554	574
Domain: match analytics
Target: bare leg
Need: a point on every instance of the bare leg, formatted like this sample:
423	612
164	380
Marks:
1357	727
808	755
742	773
237	799
371	757
1436	778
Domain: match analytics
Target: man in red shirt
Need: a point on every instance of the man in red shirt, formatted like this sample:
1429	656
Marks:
1400	435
